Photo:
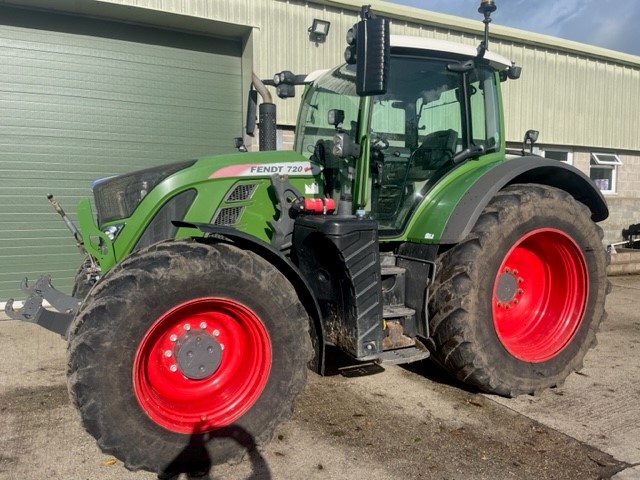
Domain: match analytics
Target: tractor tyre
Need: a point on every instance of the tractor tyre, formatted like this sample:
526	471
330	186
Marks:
516	305
187	355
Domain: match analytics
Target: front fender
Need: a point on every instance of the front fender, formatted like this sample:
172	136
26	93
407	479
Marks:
464	209
215	233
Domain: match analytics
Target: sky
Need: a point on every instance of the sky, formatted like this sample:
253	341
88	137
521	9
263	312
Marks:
612	24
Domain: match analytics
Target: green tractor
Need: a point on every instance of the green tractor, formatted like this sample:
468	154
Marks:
398	229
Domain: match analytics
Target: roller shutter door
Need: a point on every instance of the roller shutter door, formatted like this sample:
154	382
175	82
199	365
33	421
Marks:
82	98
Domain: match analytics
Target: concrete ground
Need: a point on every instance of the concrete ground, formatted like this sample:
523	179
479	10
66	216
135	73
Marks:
406	422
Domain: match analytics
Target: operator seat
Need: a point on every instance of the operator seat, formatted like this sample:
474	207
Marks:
435	151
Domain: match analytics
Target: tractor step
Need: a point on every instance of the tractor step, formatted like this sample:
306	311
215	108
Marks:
388	270
393	286
397	311
403	355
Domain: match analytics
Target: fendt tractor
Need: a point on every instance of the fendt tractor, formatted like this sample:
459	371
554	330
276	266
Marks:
399	228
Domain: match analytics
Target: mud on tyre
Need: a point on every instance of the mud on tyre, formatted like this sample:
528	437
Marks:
516	305
186	355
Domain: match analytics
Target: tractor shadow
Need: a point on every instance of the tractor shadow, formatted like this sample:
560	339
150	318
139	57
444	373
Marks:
339	363
194	462
435	373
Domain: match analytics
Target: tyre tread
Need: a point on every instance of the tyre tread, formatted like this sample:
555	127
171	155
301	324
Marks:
452	342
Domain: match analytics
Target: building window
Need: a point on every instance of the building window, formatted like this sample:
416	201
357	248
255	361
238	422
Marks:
561	155
604	171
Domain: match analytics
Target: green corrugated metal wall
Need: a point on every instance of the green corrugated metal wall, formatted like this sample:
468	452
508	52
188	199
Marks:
83	98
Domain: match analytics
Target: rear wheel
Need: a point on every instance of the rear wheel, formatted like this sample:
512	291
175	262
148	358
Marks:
517	304
187	355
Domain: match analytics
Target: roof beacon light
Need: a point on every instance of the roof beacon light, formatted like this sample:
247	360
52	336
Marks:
487	7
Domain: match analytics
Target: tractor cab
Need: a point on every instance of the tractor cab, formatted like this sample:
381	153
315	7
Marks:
441	108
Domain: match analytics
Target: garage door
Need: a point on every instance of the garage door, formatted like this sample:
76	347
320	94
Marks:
83	98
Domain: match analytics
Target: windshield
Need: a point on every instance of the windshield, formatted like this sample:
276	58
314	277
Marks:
336	91
419	126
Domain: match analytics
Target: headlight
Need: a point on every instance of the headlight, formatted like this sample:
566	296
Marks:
112	231
117	197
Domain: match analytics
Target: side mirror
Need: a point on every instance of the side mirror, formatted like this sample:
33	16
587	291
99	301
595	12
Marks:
252	108
530	137
369	49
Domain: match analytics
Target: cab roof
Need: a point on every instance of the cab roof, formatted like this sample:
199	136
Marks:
434	45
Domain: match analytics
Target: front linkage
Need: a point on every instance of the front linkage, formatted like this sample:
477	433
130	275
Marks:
33	310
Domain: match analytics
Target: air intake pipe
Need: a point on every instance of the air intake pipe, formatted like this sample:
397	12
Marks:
267	116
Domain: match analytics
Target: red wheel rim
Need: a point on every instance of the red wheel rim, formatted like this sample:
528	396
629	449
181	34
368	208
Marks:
233	361
539	295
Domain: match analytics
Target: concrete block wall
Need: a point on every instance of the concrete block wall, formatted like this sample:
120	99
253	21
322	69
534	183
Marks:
623	211
624	204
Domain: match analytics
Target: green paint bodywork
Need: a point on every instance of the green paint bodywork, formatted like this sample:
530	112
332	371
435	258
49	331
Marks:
258	211
429	220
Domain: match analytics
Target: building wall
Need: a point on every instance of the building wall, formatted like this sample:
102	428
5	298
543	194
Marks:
82	99
574	94
624	204
623	211
580	97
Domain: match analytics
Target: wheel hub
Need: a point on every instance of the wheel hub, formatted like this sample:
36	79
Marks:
202	364
198	354
507	291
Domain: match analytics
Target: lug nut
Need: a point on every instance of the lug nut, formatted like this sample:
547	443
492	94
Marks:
173	337
203	325
173	368
167	353
187	327
216	332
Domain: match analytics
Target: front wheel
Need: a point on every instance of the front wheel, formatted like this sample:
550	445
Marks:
517	304
186	355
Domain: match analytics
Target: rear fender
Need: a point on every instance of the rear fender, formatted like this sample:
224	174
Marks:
463	213
214	234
